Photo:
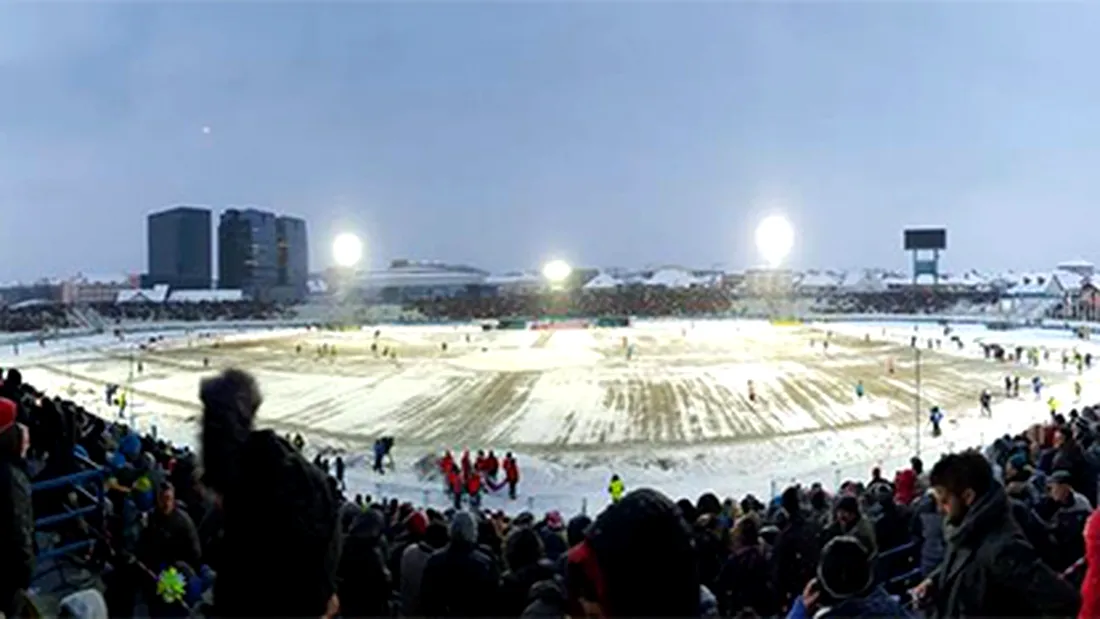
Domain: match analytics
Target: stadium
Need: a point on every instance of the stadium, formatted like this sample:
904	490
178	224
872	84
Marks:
689	381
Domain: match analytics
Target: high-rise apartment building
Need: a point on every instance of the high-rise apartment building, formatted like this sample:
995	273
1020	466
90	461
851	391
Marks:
179	245
292	263
247	251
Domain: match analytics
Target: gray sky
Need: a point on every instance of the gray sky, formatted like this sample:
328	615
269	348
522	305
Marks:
503	134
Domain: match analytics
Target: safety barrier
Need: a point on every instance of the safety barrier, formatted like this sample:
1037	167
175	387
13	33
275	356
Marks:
87	485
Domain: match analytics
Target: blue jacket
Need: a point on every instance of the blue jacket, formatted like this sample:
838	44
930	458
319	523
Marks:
876	604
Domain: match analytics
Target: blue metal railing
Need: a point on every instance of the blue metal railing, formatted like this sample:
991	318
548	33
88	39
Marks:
78	483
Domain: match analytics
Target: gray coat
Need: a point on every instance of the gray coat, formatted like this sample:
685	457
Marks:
413	561
928	533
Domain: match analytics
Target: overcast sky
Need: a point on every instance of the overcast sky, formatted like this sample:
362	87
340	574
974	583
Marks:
504	134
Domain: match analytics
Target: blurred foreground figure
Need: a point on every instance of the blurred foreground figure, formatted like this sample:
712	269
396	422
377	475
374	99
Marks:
281	543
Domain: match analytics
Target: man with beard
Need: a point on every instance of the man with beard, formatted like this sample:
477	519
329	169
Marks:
989	568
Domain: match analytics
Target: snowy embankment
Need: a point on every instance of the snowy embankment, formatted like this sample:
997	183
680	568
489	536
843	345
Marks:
568	481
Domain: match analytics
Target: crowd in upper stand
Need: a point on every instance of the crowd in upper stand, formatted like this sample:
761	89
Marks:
259	530
191	312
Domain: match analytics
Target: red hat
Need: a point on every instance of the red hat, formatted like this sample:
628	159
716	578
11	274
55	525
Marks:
417	523
8	412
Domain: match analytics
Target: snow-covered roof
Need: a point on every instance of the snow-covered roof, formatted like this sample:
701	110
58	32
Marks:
156	294
1076	264
108	279
603	281
206	296
514	278
820	279
673	277
1034	284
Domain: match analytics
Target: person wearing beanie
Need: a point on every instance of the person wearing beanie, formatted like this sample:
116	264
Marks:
848	519
16	513
281	534
411	531
638	560
460	580
845	586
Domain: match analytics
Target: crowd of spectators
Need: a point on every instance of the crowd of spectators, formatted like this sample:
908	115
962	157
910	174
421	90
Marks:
259	530
192	312
35	317
929	300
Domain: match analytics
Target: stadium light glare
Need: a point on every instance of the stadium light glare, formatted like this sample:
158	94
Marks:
557	271
347	250
774	239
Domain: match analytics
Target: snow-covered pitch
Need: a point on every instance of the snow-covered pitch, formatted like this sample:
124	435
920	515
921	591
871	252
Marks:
729	406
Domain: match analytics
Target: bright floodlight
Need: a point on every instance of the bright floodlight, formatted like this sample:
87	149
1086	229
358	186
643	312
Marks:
347	250
556	271
774	239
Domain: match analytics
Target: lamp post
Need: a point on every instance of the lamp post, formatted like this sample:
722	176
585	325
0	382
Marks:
917	410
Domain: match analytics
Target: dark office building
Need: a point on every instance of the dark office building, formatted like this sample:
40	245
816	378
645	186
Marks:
248	252
293	256
179	248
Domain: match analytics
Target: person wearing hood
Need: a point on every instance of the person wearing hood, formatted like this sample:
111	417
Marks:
612	574
849	520
365	583
460	580
845	586
16	512
989	568
527	564
281	540
413	562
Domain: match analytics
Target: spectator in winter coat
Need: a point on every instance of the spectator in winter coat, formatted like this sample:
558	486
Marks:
845	586
796	551
460	580
16	514
1068	521
743	582
989	568
849	520
170	536
891	523
413	562
1090	586
927	533
636	561
1071	458
365	583
552	533
905	487
411	533
281	543
527	565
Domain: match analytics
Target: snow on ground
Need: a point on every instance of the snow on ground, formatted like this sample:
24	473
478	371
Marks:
575	410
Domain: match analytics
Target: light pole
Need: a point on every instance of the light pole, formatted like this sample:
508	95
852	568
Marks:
916	411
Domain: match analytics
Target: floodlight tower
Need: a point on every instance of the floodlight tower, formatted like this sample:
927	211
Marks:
774	241
347	253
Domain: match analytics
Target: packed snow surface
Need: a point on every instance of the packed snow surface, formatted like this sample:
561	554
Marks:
726	406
